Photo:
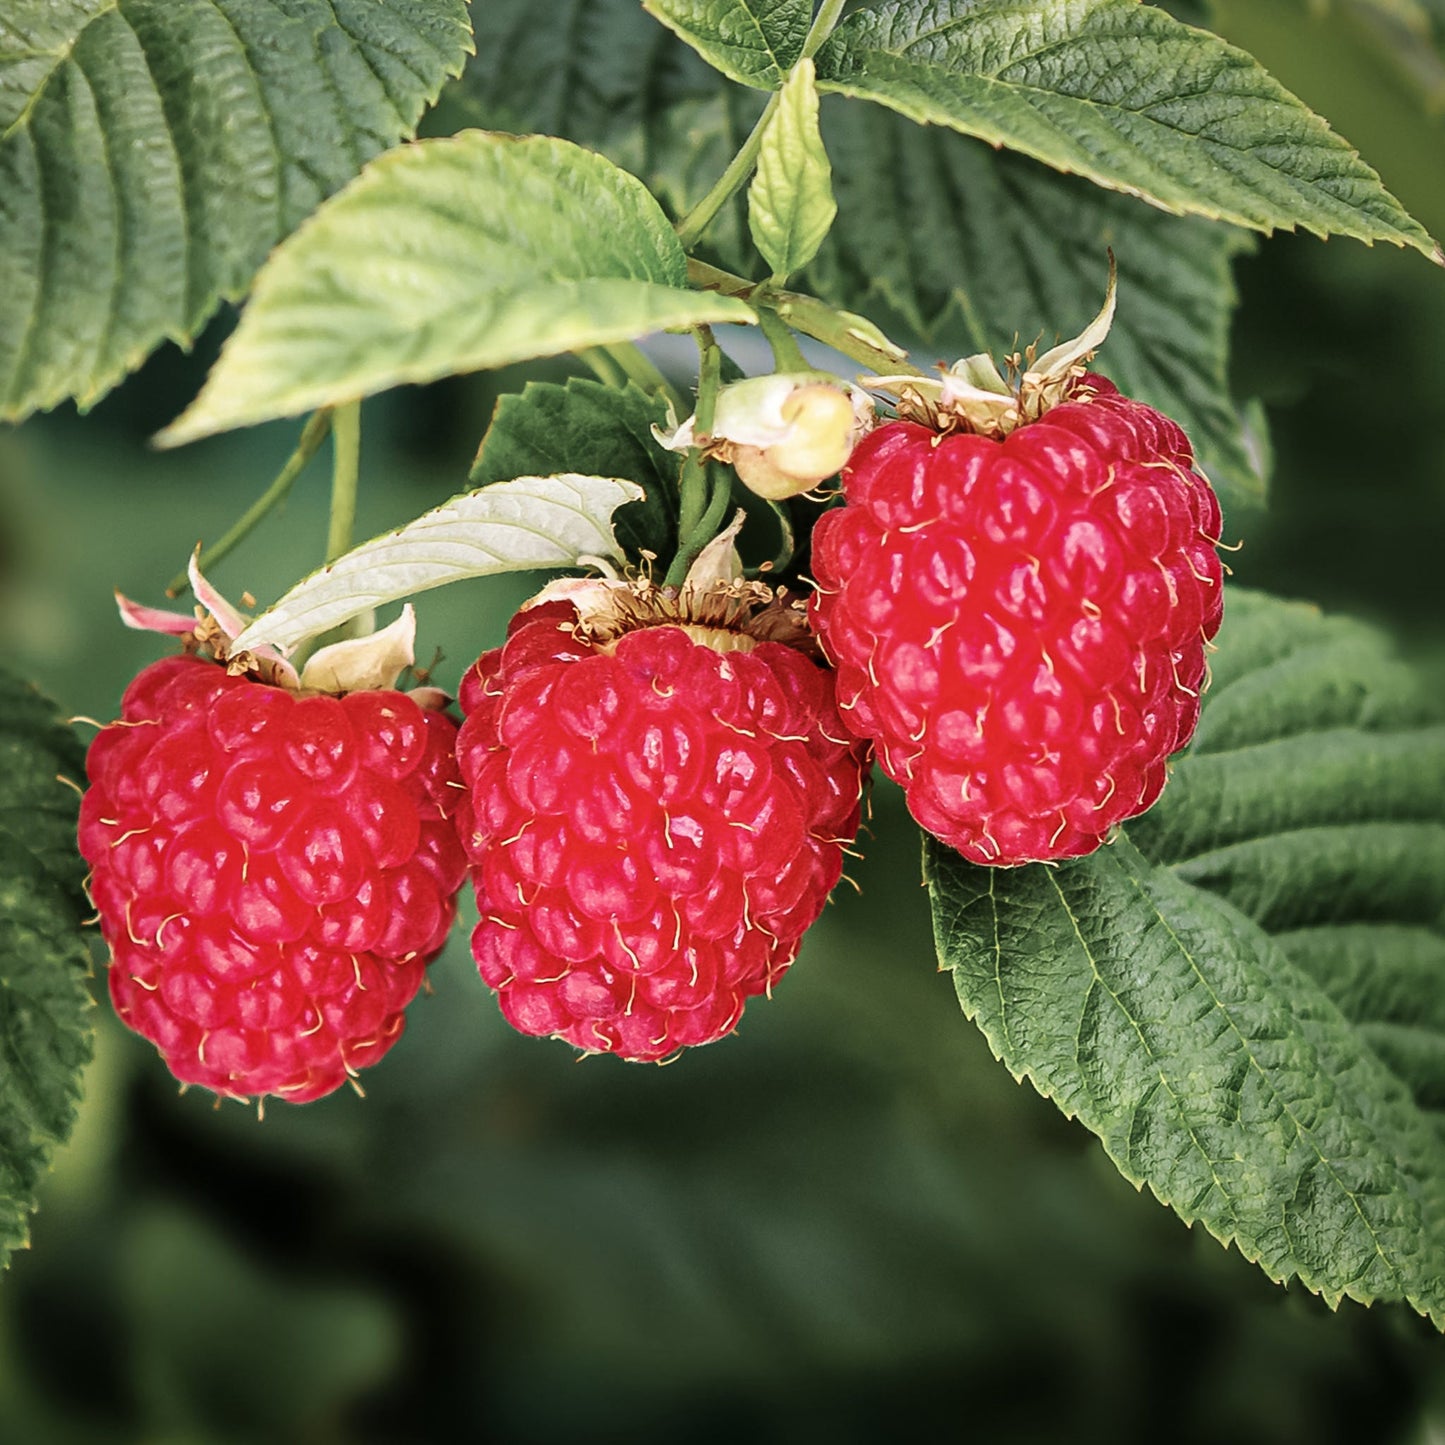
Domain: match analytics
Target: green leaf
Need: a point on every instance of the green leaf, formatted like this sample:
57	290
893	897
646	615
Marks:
546	428
790	200
1122	94
1261	1085
981	251
755	42
153	151
447	256
515	526
1313	798
45	1038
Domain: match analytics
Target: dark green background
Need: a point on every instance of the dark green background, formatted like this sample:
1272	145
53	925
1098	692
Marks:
847	1223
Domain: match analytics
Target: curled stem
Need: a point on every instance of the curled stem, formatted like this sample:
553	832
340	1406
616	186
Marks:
312	435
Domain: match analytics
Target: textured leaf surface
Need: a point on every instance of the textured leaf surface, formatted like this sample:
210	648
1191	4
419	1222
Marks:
1273	1088
1313	798
511	526
153	151
44	1033
756	42
448	256
1125	95
547	428
790	200
981	251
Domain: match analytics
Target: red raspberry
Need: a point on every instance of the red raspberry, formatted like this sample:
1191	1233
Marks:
652	821
272	872
1021	622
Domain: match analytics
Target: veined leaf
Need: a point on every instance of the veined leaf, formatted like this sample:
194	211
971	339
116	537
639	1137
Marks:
514	526
153	151
981	251
607	432
446	256
1125	95
1260	1085
755	42
790	200
45	1038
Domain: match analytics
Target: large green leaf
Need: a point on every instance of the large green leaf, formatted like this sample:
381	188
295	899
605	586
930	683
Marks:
1125	95
583	425
451	255
153	151
979	251
45	1036
1210	1058
756	42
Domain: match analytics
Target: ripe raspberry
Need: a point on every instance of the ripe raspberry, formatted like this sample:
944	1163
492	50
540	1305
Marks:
1020	622
655	813
272	872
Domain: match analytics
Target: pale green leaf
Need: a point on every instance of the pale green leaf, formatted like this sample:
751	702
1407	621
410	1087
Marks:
755	42
790	200
514	526
153	151
981	251
451	255
1125	95
45	1038
1283	1089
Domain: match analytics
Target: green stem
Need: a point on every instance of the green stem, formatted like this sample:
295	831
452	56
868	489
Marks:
636	366
787	355
312	435
603	367
345	465
692	481
692	225
823	24
719	479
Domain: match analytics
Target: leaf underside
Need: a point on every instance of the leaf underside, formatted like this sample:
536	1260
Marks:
1122	94
153	151
451	255
45	1038
1243	998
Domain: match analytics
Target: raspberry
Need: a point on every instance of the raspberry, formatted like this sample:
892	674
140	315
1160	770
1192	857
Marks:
272	872
1020	621
655	814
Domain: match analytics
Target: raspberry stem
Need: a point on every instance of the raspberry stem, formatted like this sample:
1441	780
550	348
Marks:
693	494
312	435
345	466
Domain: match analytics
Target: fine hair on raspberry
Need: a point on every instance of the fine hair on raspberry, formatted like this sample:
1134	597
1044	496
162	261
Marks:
1020	622
653	820
272	871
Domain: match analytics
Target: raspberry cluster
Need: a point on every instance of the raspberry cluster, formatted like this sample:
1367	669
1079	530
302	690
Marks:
653	820
272	872
1020	622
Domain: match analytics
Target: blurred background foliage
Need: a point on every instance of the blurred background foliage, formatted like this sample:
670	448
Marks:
848	1223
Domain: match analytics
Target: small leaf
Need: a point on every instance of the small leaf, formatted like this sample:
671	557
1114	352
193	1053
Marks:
982	251
1262	1085
1125	95
755	42
790	201
45	1038
451	255
152	153
601	430
514	526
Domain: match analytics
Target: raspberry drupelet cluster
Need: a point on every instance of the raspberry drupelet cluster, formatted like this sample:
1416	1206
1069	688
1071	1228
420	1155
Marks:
660	790
1019	620
273	869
